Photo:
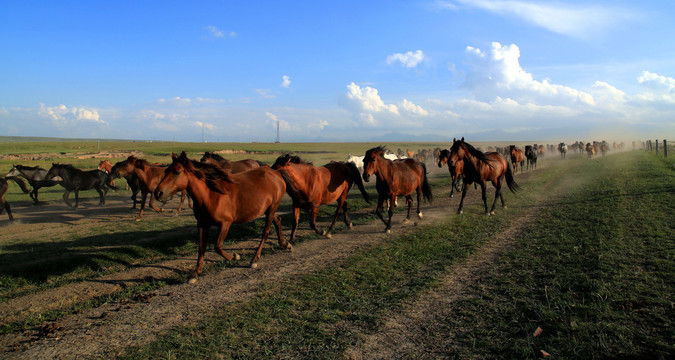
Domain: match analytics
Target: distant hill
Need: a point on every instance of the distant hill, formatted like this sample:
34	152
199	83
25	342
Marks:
48	139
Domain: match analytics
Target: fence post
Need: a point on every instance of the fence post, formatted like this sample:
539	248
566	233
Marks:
665	148
657	146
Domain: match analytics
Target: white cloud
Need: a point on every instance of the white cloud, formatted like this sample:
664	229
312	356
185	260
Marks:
577	20
657	87
498	73
367	99
409	59
204	125
63	115
266	93
286	81
215	32
272	120
412	109
318	125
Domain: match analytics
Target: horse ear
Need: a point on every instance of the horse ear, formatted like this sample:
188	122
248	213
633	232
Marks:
173	155
462	138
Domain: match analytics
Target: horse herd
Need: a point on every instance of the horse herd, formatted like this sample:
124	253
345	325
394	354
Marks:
223	192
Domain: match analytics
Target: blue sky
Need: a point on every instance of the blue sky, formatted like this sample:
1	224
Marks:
338	71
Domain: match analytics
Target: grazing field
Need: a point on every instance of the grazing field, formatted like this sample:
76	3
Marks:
580	265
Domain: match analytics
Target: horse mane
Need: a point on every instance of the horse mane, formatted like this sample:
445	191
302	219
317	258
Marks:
213	156
294	159
382	149
209	173
24	167
473	151
68	167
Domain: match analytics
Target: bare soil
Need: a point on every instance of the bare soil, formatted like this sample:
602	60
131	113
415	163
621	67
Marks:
109	329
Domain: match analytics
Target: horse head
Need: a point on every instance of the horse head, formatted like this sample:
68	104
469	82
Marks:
371	161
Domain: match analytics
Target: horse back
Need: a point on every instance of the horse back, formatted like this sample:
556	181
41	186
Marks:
407	176
252	193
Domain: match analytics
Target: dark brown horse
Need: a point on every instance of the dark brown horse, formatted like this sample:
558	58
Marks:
35	176
517	158
482	167
222	199
148	177
4	186
456	171
311	186
74	180
231	166
396	178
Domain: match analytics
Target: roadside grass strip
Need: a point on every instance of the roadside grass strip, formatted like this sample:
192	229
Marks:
593	278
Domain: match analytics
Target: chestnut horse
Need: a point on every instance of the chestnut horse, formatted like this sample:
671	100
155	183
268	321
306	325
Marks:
106	166
396	178
482	167
222	199
232	166
147	175
517	157
311	186
456	171
4	186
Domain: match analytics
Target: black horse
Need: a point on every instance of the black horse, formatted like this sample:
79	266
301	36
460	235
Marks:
35	176
73	179
531	155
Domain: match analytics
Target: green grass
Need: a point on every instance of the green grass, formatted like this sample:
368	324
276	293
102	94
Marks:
594	271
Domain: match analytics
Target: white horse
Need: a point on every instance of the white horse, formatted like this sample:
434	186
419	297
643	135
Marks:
357	160
391	156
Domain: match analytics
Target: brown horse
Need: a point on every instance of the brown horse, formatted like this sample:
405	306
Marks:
517	157
106	166
482	167
222	199
456	171
311	186
4	186
232	166
396	178
148	177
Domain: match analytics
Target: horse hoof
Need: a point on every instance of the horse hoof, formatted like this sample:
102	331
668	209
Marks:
192	280
388	231
406	221
328	236
492	212
254	265
138	219
237	257
351	225
460	212
323	233
420	215
504	207
289	247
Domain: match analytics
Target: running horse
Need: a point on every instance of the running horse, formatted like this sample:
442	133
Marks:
35	176
148	177
562	148
531	155
312	186
517	158
456	171
4	186
396	178
222	199
228	165
482	167
74	179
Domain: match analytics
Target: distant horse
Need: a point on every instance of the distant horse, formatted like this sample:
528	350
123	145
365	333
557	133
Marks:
4	185
357	160
562	148
74	179
396	178
232	166
531	155
517	158
541	150
35	176
222	199
311	186
148	177
456	171
590	150
482	167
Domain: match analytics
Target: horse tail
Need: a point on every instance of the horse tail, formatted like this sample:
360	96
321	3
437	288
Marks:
291	189
20	182
426	188
356	176
510	181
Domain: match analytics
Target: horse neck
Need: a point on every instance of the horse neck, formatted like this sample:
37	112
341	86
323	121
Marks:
383	170
471	163
199	191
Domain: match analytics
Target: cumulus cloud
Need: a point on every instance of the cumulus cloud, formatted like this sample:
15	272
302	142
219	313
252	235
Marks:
205	125
272	120
318	125
575	20
286	82
657	87
409	59
63	115
367	100
180	101
412	109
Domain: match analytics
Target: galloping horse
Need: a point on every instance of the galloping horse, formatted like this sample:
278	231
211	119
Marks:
531	155
562	147
223	199
482	167
311	186
590	150
74	179
231	166
148	177
35	176
4	185
517	157
396	178
456	171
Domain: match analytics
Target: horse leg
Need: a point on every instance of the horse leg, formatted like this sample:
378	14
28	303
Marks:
65	197
312	220
419	202
144	195
101	196
277	225
134	198
484	196
34	195
77	198
5	205
151	203
409	202
461	202
296	219
378	209
498	193
224	228
182	198
340	204
391	213
266	231
203	236
348	222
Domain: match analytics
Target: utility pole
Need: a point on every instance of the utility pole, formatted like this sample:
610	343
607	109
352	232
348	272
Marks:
278	139
203	133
